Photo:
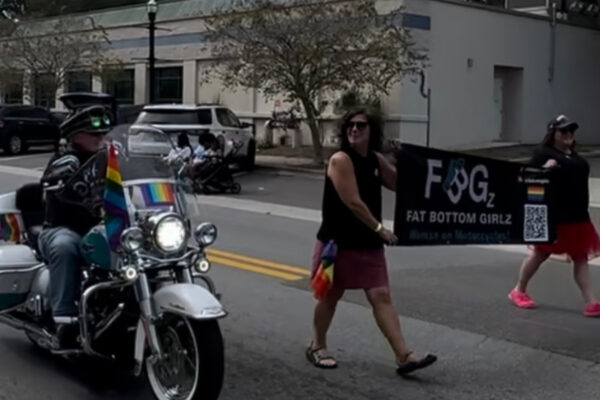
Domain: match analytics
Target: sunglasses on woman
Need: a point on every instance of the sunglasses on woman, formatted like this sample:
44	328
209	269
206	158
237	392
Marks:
358	124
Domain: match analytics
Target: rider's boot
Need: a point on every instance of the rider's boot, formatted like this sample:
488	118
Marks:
67	332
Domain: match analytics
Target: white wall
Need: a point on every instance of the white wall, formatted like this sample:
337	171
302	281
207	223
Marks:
462	98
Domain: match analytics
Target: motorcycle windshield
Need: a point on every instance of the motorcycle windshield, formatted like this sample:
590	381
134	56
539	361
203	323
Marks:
149	184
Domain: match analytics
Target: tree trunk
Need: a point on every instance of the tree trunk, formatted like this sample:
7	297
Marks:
314	131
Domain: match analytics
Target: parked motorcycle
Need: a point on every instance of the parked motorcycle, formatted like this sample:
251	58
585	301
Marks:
149	306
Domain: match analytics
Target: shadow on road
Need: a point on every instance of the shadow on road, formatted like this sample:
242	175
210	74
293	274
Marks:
100	378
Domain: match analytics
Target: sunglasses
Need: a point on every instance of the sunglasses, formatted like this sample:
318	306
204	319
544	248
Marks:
567	132
100	121
357	124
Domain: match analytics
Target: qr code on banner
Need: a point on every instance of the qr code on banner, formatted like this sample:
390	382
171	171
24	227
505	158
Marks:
535	223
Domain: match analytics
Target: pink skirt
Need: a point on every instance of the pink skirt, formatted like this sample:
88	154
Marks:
574	242
355	269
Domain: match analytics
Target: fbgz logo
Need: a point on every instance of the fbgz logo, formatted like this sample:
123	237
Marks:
458	179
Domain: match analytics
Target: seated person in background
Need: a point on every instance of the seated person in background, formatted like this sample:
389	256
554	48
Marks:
204	142
183	150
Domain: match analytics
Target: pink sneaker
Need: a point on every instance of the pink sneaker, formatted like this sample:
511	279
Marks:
592	310
522	300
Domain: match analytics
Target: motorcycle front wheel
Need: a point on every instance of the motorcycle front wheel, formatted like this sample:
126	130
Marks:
193	362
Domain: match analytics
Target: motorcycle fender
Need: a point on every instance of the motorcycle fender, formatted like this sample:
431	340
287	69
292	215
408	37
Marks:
188	300
185	299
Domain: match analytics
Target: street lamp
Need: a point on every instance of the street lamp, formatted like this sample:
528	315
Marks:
152	7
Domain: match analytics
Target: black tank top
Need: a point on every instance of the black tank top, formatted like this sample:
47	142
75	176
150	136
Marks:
339	223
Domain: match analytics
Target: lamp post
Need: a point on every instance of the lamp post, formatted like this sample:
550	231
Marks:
152	7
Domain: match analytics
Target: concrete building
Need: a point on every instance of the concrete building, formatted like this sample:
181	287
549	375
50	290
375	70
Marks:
499	70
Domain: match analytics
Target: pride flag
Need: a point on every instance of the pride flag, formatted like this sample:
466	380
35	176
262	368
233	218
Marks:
158	194
536	193
10	229
116	218
322	281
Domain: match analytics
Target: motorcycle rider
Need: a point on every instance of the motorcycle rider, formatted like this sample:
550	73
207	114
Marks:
66	222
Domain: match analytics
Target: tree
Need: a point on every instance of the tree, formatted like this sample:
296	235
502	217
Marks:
354	98
50	56
309	50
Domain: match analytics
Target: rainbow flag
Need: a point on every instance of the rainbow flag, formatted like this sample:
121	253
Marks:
322	281
535	194
158	194
10	229
116	217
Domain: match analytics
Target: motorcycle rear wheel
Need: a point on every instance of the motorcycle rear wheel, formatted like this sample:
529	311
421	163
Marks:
193	365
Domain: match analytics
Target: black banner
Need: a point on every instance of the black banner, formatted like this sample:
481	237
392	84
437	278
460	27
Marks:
445	197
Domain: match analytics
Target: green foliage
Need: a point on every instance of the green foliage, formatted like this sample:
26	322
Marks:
354	98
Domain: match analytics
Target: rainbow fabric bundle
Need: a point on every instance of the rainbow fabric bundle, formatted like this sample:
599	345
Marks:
323	279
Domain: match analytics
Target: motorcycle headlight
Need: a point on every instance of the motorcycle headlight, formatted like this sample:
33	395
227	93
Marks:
132	239
205	234
169	232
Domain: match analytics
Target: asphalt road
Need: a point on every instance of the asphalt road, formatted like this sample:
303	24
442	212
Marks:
452	299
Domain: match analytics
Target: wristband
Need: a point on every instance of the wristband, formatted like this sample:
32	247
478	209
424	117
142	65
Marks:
378	228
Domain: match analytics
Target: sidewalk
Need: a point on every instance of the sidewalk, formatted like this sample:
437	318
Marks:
518	153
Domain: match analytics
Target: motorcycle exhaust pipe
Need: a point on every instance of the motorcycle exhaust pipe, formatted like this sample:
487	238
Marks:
23	326
42	333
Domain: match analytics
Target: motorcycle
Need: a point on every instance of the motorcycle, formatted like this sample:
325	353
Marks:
149	305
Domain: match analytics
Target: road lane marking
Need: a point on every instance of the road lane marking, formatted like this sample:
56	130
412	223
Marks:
252	268
20	171
258	262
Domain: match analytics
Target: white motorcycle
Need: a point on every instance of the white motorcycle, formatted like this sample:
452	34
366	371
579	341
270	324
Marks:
149	306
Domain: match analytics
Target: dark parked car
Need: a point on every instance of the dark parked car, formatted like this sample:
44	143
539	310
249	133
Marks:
23	126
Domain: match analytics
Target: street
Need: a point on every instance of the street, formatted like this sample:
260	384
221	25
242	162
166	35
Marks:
452	301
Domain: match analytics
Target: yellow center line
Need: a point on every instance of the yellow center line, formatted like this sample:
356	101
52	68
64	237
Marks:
258	262
248	267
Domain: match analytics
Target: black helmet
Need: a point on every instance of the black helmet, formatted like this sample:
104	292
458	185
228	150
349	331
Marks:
562	122
93	119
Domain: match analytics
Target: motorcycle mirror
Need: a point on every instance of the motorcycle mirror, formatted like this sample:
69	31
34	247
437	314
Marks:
123	149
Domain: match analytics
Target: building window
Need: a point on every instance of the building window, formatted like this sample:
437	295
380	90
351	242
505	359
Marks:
169	85
121	85
13	89
79	81
45	91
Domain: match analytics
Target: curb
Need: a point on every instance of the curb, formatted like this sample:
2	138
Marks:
288	168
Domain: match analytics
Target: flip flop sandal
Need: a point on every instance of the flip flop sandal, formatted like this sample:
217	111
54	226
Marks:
317	359
411	366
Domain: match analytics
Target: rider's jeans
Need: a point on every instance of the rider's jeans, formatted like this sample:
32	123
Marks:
60	249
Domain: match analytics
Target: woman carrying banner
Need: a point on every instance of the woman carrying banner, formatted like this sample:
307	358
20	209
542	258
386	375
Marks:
577	237
352	203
